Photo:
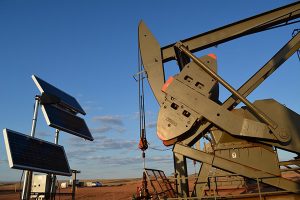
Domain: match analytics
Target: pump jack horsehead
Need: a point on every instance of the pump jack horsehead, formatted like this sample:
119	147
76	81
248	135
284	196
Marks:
243	140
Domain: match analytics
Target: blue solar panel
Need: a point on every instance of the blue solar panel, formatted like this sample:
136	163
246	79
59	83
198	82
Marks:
65	121
64	98
60	109
27	153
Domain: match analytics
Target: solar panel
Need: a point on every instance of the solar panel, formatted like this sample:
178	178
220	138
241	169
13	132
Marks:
60	109
27	153
65	121
64	98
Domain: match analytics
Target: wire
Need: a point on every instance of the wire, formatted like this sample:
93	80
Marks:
157	149
141	95
143	139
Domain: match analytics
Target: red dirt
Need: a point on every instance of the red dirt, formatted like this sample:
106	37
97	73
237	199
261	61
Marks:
121	189
118	192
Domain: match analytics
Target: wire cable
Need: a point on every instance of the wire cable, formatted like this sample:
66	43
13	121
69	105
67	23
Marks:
143	139
158	149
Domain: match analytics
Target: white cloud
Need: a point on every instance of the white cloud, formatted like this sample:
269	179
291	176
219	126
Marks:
109	119
108	123
102	129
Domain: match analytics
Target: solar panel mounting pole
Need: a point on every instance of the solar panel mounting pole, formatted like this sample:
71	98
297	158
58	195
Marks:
56	136
53	176
26	192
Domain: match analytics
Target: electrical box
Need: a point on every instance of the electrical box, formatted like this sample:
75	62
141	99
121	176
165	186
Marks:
41	185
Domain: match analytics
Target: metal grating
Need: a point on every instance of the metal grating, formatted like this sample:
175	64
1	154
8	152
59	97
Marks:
161	185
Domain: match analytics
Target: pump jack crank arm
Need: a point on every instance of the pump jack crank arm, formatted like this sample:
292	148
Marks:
267	70
280	134
283	54
197	105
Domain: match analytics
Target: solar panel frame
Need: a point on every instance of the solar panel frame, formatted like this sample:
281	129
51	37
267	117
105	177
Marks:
65	121
14	161
65	99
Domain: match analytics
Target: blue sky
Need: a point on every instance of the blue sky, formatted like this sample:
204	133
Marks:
89	50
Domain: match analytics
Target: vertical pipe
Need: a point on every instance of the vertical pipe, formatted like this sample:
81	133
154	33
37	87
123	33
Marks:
258	185
28	174
24	196
53	176
74	184
35	114
180	168
56	136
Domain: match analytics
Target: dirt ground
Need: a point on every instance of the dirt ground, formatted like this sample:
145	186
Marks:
118	190
123	189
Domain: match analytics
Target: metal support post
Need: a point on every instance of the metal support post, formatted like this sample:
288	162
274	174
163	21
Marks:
200	183
26	192
258	186
56	136
74	184
53	176
180	166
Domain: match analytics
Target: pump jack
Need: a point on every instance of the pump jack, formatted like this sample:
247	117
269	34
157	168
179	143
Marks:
243	139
